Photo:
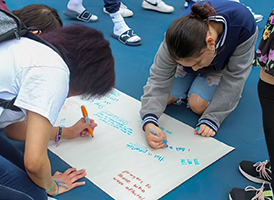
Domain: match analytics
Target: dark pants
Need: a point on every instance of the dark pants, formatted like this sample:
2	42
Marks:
112	6
266	96
14	181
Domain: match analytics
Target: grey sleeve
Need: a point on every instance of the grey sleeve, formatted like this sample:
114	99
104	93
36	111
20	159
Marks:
159	84
229	90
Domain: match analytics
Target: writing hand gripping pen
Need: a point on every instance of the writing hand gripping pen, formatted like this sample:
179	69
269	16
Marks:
154	132
87	120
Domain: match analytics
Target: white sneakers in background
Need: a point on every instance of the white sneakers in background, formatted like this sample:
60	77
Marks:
157	5
124	11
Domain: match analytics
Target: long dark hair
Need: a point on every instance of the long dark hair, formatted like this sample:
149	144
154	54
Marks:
88	56
40	17
186	37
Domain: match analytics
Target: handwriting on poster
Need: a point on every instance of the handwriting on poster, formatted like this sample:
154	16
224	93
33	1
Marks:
133	184
141	149
101	103
114	121
144	150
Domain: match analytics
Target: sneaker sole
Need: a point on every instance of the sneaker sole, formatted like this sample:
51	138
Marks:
251	178
230	198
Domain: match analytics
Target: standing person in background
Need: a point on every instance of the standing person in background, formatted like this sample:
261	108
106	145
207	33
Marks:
121	31
261	172
212	47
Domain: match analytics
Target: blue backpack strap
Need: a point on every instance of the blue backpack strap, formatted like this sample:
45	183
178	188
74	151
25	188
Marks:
8	104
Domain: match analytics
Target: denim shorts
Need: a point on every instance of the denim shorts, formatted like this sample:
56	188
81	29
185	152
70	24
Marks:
202	85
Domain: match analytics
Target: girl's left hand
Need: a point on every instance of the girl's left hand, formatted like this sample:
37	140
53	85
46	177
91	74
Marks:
205	131
69	179
80	129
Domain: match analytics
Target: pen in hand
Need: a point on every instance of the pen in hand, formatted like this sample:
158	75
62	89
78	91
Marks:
87	120
154	132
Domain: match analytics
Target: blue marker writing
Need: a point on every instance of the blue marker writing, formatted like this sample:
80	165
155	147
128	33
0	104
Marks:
156	133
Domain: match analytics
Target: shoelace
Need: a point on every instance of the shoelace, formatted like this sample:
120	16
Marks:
259	192
262	170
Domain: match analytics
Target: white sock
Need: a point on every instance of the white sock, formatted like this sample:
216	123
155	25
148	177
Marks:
76	5
120	26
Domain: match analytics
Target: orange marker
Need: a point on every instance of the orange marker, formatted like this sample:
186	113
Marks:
87	120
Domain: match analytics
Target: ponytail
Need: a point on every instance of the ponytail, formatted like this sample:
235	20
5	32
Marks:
186	37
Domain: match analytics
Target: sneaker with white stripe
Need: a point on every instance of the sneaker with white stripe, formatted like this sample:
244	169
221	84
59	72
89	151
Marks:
258	172
252	193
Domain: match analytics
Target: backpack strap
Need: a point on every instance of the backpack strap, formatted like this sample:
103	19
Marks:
8	104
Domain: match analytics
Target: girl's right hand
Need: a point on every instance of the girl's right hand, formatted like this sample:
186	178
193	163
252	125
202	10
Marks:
153	140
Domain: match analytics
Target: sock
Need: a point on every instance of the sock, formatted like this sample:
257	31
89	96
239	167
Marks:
76	5
120	26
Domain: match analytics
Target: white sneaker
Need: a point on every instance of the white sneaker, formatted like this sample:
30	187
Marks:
124	11
159	6
257	17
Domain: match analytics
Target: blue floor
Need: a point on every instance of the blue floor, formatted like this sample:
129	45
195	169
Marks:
242	129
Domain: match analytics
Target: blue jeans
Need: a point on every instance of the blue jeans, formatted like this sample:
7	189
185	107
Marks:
14	181
203	85
112	6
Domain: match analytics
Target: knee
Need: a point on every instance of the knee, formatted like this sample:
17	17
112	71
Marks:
197	104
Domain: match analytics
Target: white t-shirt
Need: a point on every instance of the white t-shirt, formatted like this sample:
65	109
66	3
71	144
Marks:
34	73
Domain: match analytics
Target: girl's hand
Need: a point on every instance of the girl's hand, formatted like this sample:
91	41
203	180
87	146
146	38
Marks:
80	129
153	140
205	131
68	180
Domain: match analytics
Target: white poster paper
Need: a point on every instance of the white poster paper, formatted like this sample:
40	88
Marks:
118	158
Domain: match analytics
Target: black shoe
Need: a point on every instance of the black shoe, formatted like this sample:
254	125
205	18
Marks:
257	172
250	193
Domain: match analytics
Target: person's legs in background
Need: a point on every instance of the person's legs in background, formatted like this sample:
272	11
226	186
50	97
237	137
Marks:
76	10
124	11
121	31
261	172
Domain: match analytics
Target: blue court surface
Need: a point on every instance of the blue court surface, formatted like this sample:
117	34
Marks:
242	129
